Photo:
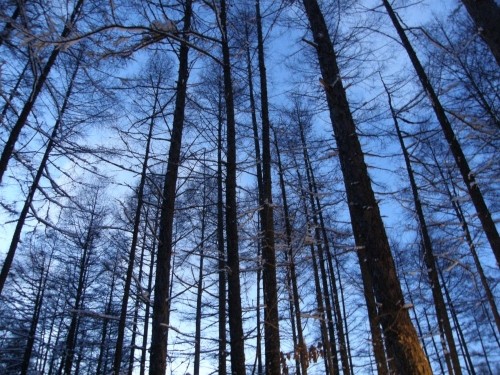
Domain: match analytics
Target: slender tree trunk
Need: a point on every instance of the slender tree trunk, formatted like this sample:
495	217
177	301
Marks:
368	228
138	301
301	349
135	236
220	245
434	345
233	262
69	349
271	321
458	328
154	235
16	237
320	249
103	349
329	360
470	242
315	202
448	341
253	110
38	86
199	290
158	358
37	308
486	15
467	175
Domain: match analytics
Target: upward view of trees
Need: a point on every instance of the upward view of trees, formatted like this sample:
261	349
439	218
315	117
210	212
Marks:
249	187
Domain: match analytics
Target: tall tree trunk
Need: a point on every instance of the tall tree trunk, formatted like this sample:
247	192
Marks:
271	321
301	349
434	345
37	308
258	162
368	228
38	86
16	237
320	248
103	348
449	348
135	236
458	328
486	15
199	290
469	179
69	349
470	242
158	357
233	262
329	360
220	243
154	236
315	202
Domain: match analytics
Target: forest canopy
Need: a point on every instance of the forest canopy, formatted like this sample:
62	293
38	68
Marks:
249	187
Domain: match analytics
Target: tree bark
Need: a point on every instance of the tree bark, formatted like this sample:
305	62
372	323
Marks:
271	321
368	228
220	243
486	15
369	232
448	342
233	262
158	357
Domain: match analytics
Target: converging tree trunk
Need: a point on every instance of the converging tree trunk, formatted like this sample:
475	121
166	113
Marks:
158	358
16	237
37	88
368	228
447	340
468	176
271	321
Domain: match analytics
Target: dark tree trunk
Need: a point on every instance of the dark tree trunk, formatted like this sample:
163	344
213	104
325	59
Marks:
328	357
449	348
69	349
469	179
154	235
368	228
220	244
16	237
37	308
135	236
463	342
258	160
103	348
271	322
470	242
301	348
38	86
199	290
4	35
320	249
486	15
158	358
233	262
